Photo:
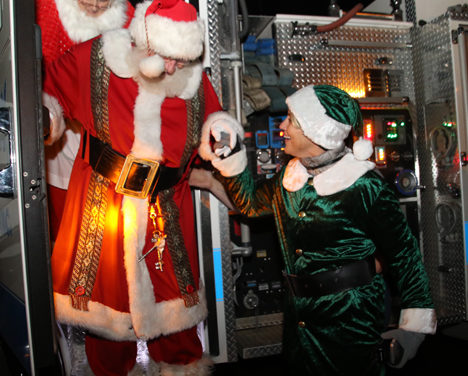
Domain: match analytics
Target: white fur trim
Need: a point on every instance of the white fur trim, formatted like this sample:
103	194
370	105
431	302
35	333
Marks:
421	320
164	318
151	319
312	117
57	121
147	319
232	165
168	38
124	60
295	176
201	367
117	50
205	149
341	175
81	27
183	84
99	319
147	120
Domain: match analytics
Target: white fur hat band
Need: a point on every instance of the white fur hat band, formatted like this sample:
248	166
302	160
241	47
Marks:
325	113
168	27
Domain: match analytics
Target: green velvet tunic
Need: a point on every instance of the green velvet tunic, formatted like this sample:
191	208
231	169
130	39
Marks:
337	334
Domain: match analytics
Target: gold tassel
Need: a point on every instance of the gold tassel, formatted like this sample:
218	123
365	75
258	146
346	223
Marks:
191	300
79	302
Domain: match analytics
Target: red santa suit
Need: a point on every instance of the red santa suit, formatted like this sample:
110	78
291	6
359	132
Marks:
101	281
63	24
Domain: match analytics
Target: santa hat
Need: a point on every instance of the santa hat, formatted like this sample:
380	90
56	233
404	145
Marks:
170	28
327	114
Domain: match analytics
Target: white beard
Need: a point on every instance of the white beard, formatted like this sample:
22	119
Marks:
81	27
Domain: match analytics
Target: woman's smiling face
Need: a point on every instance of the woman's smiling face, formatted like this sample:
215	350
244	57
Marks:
296	143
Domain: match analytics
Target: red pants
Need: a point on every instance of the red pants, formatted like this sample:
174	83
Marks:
111	358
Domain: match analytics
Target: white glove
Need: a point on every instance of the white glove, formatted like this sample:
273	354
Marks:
225	130
409	341
225	137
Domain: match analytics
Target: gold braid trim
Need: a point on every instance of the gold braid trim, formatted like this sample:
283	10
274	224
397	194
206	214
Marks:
195	115
99	92
176	247
89	243
94	214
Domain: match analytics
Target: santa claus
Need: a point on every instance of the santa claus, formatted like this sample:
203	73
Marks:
125	263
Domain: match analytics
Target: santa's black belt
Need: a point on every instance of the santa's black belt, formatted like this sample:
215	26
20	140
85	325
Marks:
132	176
346	277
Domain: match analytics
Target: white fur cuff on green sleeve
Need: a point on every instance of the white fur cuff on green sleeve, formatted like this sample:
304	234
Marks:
421	320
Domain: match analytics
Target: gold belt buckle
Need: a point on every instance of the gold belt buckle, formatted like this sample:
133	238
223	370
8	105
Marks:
130	160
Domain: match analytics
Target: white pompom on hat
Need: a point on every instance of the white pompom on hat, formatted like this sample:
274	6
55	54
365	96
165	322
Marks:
169	28
362	149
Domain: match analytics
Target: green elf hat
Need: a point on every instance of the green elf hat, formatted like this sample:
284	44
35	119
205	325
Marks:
326	114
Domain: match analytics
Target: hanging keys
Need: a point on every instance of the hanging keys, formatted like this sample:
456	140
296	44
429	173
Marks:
159	241
160	263
142	257
158	238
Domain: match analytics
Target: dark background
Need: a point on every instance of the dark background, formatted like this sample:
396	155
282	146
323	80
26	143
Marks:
309	7
316	8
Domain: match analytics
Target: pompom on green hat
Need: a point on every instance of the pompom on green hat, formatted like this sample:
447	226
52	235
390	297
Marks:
326	114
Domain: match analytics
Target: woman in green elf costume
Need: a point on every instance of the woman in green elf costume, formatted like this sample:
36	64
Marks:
334	215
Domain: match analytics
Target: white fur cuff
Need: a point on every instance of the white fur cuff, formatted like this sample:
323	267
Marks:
228	121
421	320
232	165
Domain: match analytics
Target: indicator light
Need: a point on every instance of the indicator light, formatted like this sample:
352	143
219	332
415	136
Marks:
368	131
380	155
391	133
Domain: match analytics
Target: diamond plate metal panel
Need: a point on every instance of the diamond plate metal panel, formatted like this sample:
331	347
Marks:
261	341
441	212
214	46
410	11
340	56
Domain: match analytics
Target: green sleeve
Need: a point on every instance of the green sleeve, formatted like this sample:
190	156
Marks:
399	250
252	200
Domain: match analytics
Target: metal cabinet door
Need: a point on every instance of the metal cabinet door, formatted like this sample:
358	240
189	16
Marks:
27	325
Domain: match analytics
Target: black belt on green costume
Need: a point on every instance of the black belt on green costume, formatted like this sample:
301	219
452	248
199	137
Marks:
346	277
108	162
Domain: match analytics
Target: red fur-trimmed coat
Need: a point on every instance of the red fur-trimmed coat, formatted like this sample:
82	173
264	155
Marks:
130	299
